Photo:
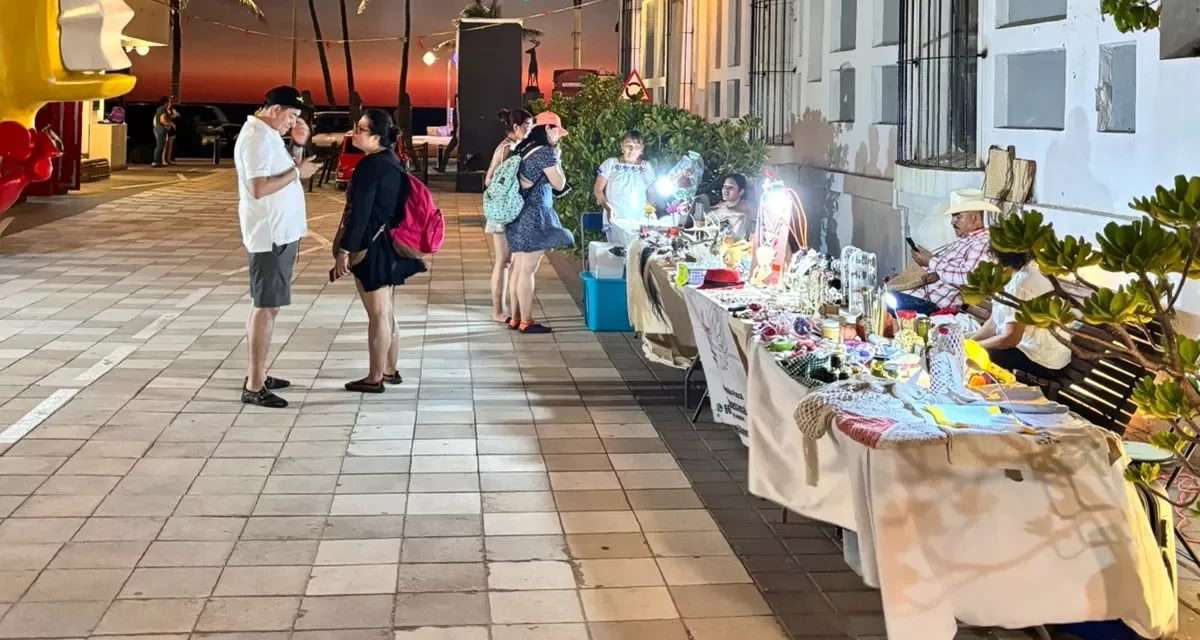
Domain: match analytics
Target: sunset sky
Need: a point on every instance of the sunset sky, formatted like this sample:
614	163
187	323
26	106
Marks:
222	65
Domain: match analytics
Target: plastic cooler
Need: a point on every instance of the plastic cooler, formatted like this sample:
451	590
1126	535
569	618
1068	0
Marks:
604	304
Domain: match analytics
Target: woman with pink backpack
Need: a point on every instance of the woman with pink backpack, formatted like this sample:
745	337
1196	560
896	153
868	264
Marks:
377	201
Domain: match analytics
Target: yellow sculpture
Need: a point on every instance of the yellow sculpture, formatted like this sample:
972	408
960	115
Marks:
57	51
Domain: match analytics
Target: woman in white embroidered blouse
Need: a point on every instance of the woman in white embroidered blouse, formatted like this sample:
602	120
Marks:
623	184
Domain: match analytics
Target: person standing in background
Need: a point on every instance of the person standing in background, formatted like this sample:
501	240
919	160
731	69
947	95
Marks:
162	126
453	144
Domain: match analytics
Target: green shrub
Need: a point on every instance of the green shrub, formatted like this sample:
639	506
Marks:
597	118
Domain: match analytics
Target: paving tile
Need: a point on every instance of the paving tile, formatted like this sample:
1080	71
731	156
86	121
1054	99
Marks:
274	552
428	578
521	548
77	585
263	581
600	522
535	607
442	609
151	616
169	553
575	631
248	614
444	633
433	550
718	601
631	603
518	524
336	552
352	580
530	575
643	630
193	582
342	613
703	570
27	557
51	619
619	572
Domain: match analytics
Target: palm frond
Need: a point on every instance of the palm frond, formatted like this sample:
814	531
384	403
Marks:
252	7
443	45
531	34
476	10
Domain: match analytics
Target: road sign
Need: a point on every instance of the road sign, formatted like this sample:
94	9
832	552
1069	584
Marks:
634	88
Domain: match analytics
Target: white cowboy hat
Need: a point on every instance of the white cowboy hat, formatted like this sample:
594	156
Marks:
962	200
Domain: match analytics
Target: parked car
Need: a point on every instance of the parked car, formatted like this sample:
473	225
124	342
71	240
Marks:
349	158
329	127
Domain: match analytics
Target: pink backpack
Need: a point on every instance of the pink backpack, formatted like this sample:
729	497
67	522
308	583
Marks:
424	228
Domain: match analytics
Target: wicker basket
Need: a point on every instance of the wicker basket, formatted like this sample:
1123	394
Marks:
911	278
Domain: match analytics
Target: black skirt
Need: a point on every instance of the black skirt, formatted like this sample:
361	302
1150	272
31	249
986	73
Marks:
383	267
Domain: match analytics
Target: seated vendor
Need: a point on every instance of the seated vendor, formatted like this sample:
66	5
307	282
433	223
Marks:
1009	343
732	211
948	269
622	184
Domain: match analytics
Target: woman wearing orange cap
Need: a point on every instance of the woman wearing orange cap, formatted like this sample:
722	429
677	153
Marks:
537	228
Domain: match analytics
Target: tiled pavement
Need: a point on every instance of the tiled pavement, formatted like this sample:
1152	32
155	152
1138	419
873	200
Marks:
511	489
514	488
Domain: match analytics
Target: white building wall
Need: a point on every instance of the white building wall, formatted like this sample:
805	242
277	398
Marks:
846	172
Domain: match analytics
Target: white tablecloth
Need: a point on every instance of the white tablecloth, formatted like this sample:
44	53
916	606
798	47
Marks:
946	542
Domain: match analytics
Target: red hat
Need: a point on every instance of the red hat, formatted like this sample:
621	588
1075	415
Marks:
718	278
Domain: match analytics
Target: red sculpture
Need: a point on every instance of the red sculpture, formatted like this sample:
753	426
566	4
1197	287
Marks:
26	156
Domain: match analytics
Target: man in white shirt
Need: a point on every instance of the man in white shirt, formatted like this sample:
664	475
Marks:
271	209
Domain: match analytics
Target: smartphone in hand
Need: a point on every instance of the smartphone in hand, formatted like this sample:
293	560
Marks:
911	244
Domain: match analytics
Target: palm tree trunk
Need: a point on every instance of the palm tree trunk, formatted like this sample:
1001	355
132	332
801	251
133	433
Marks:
176	48
316	22
404	111
355	107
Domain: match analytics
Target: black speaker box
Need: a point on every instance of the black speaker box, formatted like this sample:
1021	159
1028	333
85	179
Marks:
489	79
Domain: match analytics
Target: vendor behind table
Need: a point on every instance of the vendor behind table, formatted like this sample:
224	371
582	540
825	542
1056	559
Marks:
623	183
733	212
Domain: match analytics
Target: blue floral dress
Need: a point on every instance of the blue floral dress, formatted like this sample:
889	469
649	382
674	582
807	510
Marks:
537	227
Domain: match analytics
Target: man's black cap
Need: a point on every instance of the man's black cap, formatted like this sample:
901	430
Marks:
287	97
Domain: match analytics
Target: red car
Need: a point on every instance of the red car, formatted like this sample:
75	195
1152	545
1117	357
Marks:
348	159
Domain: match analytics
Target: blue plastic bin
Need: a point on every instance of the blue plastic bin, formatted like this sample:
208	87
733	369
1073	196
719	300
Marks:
604	305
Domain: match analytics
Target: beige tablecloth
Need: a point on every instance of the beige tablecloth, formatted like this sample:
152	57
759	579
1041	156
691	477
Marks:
945	542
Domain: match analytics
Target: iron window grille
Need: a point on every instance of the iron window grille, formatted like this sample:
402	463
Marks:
939	84
628	31
772	68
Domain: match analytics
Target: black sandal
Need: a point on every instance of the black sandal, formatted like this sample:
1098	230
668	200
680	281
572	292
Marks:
535	327
362	386
393	378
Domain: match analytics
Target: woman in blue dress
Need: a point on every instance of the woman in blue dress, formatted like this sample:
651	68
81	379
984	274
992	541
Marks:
537	228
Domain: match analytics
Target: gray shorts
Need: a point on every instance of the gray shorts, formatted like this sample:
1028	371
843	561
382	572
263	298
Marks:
271	276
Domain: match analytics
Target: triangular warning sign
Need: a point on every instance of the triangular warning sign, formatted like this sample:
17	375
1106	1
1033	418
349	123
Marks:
634	89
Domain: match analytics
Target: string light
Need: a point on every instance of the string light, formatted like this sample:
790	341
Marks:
327	41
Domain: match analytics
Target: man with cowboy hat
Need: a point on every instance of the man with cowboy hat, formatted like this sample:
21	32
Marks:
948	269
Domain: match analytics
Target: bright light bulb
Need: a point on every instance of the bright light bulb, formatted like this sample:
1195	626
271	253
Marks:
142	50
891	300
778	201
429	58
664	186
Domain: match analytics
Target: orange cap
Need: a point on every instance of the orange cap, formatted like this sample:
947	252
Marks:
549	118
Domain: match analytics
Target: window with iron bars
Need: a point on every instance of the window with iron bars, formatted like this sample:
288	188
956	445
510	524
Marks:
772	67
628	31
939	83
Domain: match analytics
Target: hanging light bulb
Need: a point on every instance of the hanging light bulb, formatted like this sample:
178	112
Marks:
142	50
429	58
